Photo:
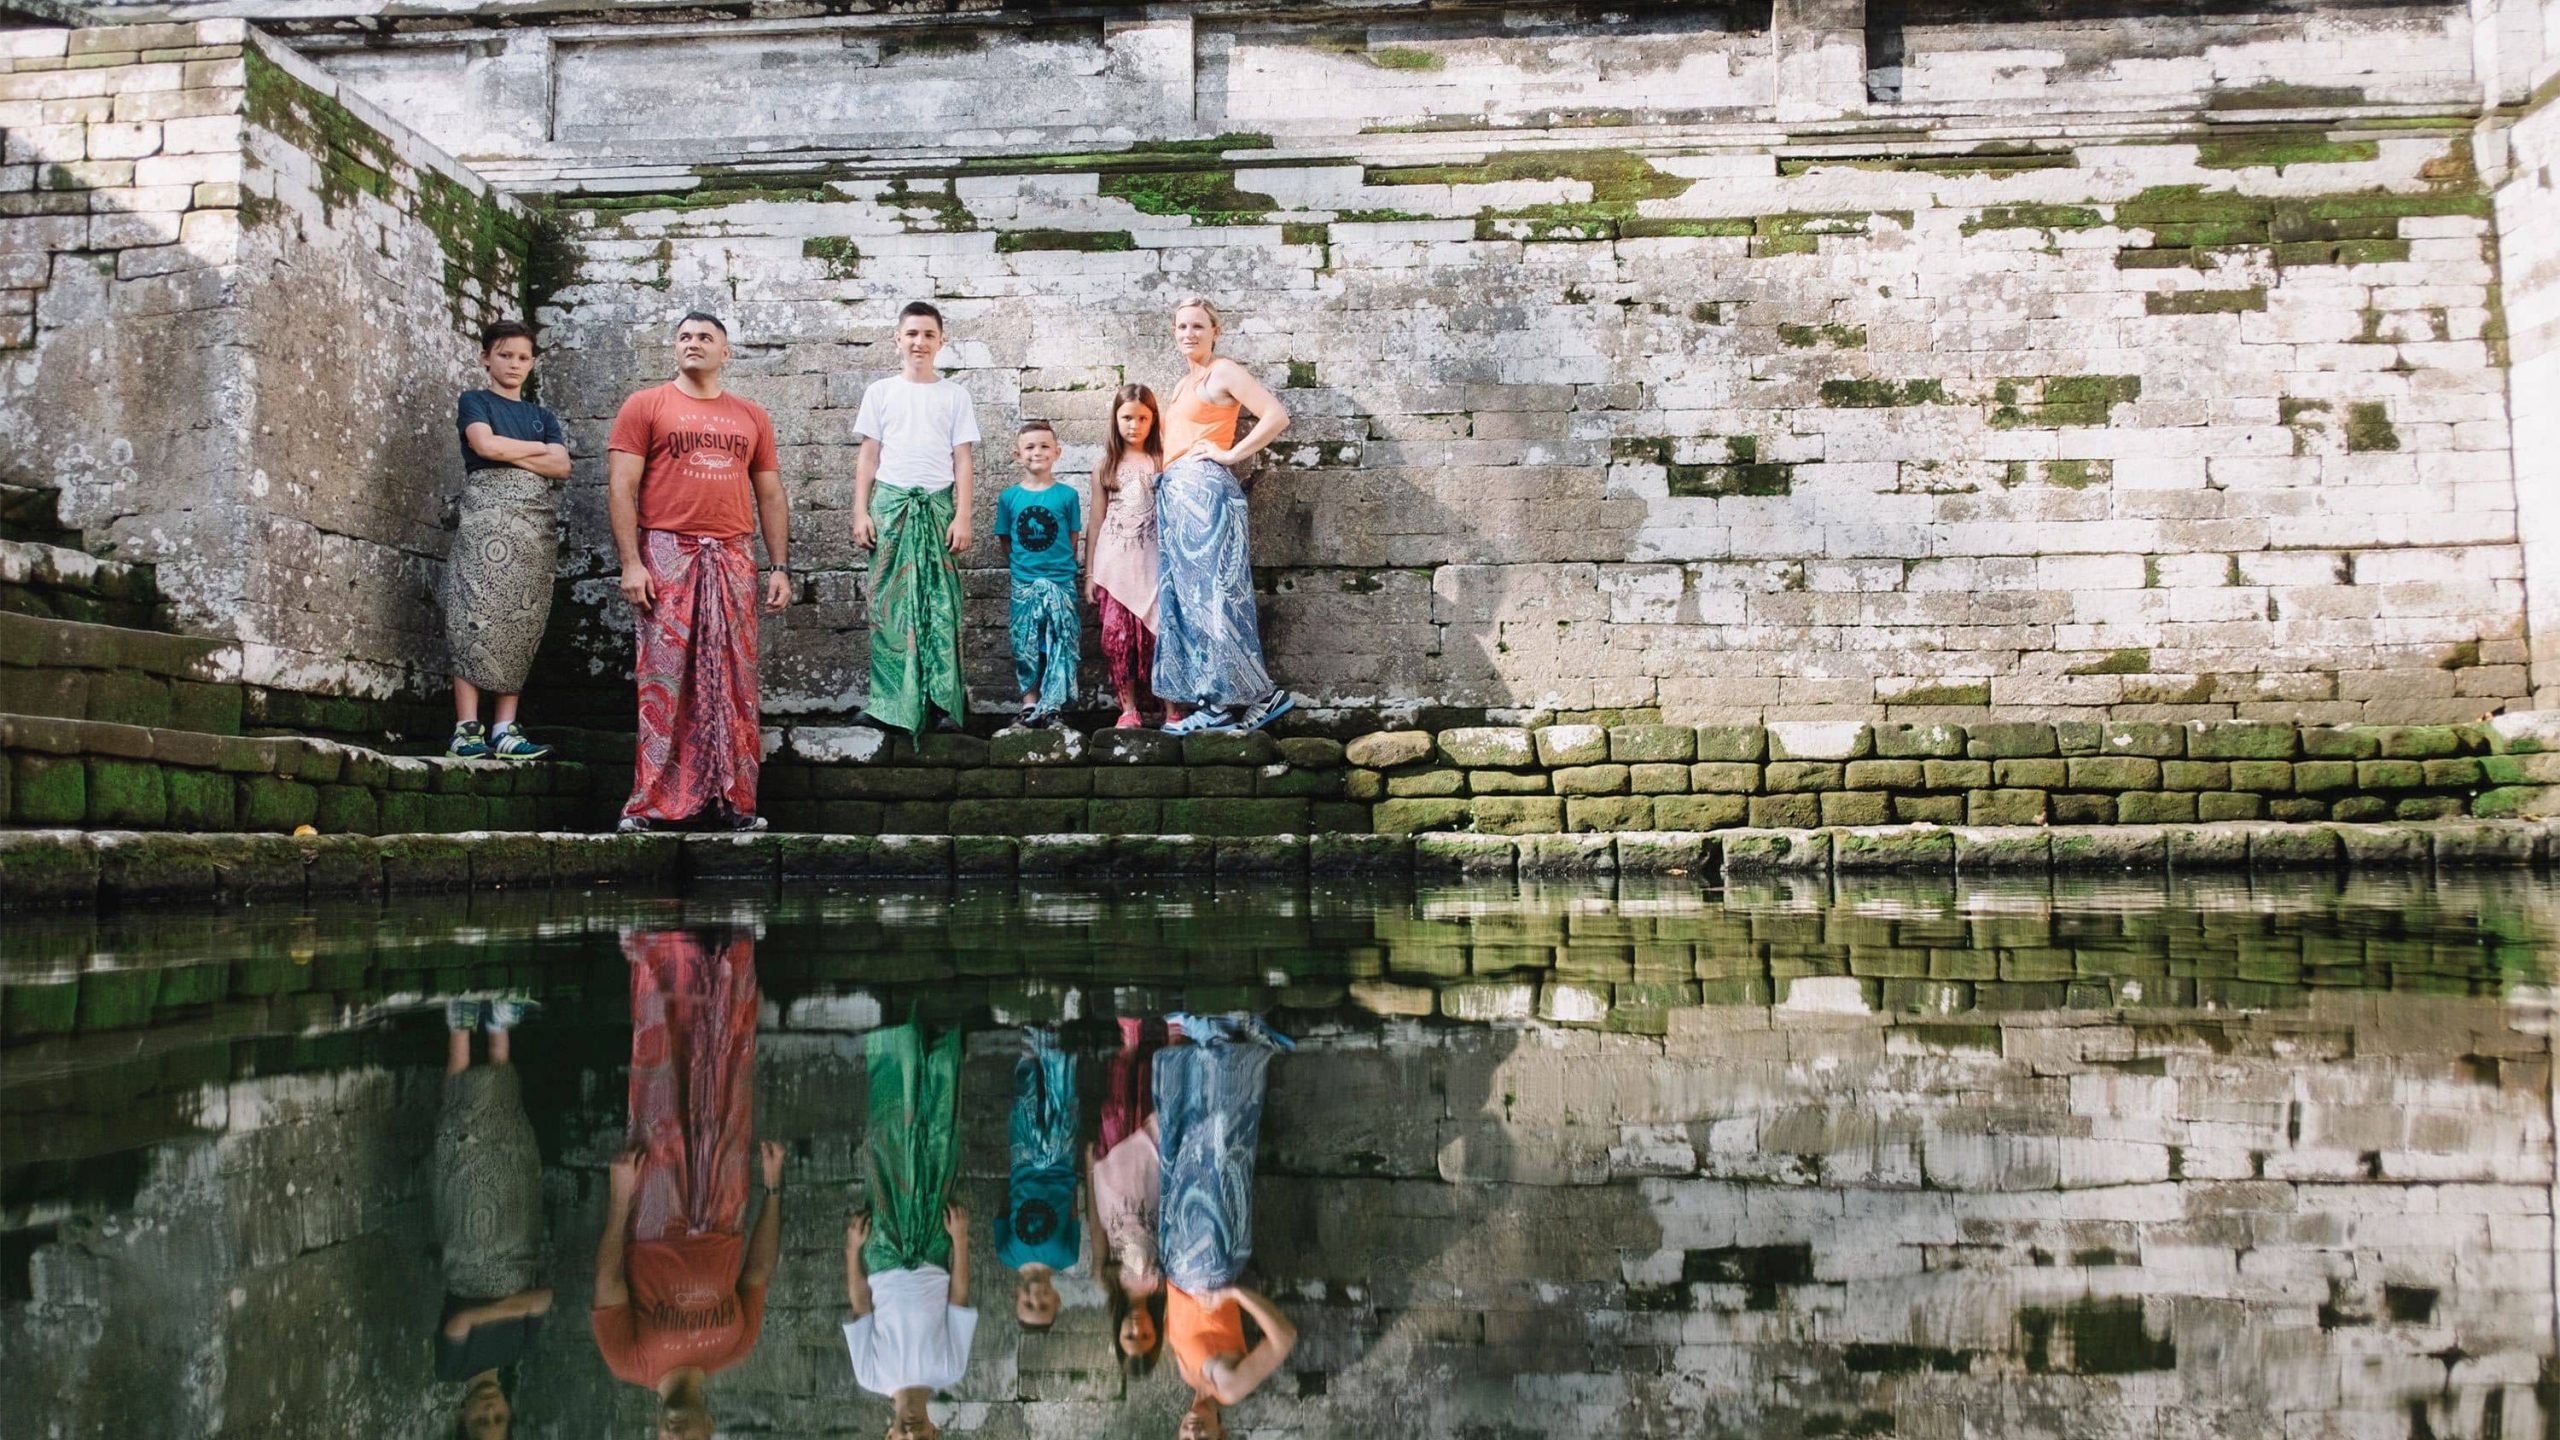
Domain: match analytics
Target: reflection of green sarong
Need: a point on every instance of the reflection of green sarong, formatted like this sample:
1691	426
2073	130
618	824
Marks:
914	1146
915	610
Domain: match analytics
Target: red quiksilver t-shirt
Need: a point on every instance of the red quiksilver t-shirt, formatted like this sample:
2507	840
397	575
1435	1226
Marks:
699	456
687	1308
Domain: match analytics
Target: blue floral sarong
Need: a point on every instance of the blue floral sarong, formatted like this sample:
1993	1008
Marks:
1208	639
1209	1107
1038	1226
1047	632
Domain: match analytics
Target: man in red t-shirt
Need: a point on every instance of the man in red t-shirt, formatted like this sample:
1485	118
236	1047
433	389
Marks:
692	468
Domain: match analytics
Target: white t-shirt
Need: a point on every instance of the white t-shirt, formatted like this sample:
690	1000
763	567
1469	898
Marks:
917	426
914	1335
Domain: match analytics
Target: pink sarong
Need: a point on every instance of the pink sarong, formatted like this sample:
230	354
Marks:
699	741
1128	648
693	1065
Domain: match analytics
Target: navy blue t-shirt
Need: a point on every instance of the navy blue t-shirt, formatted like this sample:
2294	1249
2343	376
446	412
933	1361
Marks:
506	419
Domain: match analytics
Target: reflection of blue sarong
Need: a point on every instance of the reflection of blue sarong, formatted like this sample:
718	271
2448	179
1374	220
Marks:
1047	633
1039	1221
1209	1105
1208	641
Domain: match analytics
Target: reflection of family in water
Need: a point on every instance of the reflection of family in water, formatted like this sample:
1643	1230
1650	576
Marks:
1157	1202
1170	1185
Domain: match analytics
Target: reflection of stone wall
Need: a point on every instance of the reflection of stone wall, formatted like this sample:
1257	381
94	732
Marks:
251	298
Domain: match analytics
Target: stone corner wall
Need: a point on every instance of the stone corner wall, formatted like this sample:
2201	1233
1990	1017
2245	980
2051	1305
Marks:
239	304
2529	248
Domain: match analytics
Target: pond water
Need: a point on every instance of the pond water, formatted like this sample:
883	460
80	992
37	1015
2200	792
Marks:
1923	1159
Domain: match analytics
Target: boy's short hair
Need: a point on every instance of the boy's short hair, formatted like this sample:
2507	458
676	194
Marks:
1035	425
707	318
924	308
498	330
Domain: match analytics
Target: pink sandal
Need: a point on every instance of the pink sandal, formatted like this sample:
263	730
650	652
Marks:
1129	720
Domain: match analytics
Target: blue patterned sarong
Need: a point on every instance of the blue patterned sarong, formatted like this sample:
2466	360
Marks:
1208	640
1038	1225
1047	633
1209	1108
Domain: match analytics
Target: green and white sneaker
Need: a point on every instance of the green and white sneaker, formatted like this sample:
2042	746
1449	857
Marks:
508	1013
470	742
509	743
462	1013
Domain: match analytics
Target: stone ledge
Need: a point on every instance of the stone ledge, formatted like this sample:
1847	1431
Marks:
89	867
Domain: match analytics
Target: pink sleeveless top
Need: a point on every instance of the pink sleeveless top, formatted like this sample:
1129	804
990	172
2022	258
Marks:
1124	546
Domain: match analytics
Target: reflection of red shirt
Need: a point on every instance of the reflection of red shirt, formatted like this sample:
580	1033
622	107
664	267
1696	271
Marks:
1198	1334
686	1308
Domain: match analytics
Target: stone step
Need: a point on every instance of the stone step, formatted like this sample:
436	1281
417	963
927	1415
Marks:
39	866
73	670
91	773
57	582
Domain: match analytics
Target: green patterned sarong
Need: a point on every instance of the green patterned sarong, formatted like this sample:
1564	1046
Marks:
915	610
913	1148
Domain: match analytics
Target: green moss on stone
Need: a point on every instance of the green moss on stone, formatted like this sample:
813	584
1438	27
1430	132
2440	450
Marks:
2206	302
1617	176
1645	228
841	257
1302	234
2051	402
1209	197
2120	662
927	210
2369	428
1883	394
1302	374
1838	337
1097	242
2282	95
2033	217
1405	57
2277	149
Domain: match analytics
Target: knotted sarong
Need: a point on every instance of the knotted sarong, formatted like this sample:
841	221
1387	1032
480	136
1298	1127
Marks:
488	1185
913	1146
1039	1222
497	577
1047	632
1208	640
915	610
699	743
1209	1108
693	1065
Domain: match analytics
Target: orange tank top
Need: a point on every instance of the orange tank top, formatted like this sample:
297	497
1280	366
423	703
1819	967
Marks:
1188	419
1199	1335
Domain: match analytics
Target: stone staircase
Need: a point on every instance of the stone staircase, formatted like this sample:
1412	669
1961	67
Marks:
111	720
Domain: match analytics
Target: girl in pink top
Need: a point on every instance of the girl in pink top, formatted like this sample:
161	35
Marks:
1121	580
1124	1180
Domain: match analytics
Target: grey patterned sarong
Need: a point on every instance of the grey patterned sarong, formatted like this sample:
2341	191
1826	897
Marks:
1208	640
497	591
488	1185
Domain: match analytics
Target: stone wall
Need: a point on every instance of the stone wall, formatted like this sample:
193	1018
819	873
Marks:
2149	370
243	302
2529	255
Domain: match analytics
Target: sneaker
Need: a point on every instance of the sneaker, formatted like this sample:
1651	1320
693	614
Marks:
462	1013
507	1014
635	825
509	743
1262	712
1026	717
745	824
1128	721
949	725
469	742
1192	723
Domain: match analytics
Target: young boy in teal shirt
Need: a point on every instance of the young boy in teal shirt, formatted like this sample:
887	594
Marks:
1041	525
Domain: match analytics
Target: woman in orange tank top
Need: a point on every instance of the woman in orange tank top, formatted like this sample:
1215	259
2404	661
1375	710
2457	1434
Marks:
1208	640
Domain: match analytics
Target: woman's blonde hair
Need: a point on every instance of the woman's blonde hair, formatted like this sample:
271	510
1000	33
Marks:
1201	303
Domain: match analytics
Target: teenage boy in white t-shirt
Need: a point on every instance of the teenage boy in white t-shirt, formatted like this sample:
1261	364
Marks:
911	1327
911	496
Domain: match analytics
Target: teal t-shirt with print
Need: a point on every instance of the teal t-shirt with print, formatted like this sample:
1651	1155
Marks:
1039	527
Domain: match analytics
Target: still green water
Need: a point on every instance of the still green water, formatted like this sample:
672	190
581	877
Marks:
2060	1158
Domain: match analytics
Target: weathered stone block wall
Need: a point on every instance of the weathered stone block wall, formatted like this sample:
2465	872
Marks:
245	303
2529	255
2194	411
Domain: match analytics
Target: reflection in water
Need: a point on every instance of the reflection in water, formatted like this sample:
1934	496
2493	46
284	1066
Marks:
1037	1234
488	1202
1210	1078
684	1298
907	1258
1913	1159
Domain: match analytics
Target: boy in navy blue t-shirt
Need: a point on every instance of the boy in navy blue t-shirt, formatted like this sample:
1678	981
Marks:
1041	524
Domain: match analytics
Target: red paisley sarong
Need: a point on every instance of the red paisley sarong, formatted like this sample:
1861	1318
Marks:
1128	647
693	1062
699	741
